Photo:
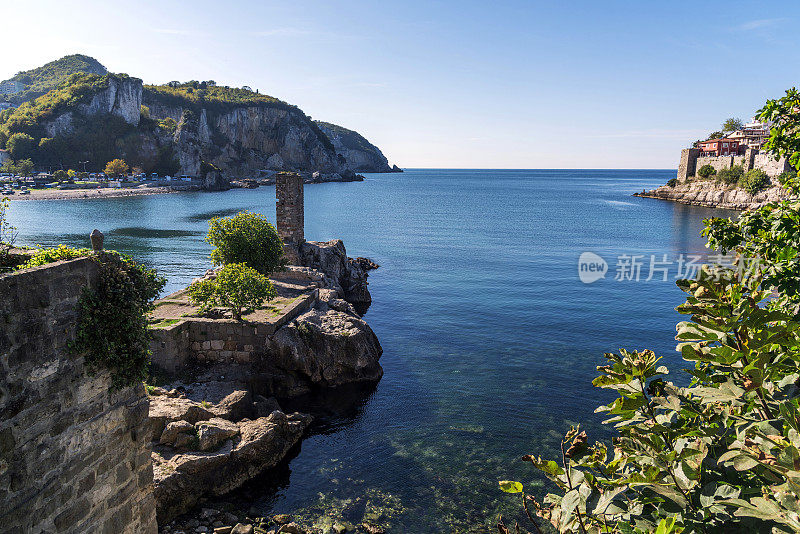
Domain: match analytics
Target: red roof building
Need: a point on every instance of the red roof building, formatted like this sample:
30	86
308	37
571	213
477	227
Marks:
719	147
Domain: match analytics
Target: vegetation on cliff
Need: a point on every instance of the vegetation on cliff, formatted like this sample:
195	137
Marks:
723	454
38	81
196	96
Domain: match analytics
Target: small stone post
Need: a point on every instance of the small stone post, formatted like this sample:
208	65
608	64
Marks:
289	212
96	237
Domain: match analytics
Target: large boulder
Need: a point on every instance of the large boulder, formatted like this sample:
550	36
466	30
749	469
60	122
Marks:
181	478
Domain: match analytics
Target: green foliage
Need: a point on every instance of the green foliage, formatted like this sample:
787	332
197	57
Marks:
61	175
168	124
723	454
42	79
732	124
772	234
24	167
786	176
754	181
195	96
116	167
246	238
53	254
74	90
672	182
112	319
714	135
784	114
706	170
8	233
21	146
236	287
730	176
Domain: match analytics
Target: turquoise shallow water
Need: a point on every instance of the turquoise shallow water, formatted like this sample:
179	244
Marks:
490	339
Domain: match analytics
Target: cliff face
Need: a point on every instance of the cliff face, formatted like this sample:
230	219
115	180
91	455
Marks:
712	195
122	98
360	154
196	129
245	140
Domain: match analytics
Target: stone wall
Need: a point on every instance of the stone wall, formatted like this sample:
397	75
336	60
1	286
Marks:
289	210
687	167
74	458
691	161
773	167
218	340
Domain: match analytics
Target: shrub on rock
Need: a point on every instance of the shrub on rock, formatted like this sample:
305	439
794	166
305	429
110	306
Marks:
246	238
236	287
706	170
754	181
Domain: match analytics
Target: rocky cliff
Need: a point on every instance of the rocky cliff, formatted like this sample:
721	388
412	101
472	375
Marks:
119	97
360	154
192	129
713	195
244	140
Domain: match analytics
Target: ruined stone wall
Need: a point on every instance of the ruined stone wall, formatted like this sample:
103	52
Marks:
74	458
218	340
289	210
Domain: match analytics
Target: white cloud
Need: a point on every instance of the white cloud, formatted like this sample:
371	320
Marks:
760	23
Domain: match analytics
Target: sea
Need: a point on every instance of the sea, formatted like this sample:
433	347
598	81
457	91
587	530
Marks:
497	295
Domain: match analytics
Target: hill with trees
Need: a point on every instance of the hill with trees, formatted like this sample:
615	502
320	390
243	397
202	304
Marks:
30	84
86	120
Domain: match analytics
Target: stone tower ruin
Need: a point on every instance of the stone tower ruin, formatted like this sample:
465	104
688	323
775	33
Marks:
289	211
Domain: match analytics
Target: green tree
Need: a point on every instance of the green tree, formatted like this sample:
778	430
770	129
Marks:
706	170
21	146
732	124
732	175
754	181
714	135
236	287
116	167
24	167
61	175
246	238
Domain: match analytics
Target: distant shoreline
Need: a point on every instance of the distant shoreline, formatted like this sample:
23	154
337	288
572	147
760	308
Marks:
85	194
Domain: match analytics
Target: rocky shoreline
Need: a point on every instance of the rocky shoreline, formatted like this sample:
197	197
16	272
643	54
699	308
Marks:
216	422
713	195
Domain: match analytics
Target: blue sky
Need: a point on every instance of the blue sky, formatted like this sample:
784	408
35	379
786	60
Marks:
514	84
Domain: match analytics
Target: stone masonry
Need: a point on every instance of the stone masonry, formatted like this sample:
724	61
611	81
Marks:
289	210
74	457
691	161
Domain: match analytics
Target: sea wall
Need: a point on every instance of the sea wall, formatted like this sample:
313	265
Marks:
691	161
74	457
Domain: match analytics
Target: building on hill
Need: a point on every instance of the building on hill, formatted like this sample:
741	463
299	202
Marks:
719	147
752	135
